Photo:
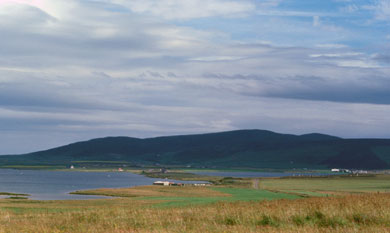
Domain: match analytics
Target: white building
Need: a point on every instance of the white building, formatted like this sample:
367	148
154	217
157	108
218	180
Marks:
164	183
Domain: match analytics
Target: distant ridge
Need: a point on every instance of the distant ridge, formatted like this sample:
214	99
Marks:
232	149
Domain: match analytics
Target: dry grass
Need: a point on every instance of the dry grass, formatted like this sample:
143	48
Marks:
351	213
368	211
156	191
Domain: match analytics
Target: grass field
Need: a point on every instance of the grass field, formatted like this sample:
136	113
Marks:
354	213
233	195
184	196
357	207
331	185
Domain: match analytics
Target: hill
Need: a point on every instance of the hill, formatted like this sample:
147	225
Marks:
238	149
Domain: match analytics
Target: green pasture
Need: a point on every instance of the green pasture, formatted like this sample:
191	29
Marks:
236	194
348	184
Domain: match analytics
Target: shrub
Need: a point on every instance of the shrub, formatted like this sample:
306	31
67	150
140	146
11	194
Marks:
331	222
268	221
230	221
298	220
363	219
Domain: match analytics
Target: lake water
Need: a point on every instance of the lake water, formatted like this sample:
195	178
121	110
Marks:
56	185
256	174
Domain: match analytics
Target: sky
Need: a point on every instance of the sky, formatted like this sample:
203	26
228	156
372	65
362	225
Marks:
72	70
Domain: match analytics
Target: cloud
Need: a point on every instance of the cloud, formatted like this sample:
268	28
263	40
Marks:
331	46
352	8
123	40
83	69
382	10
177	9
384	58
379	8
316	21
268	3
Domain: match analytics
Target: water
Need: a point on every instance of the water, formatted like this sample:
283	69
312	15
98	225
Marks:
56	185
256	174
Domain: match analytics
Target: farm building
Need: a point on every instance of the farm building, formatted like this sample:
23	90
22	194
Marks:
167	183
164	183
201	184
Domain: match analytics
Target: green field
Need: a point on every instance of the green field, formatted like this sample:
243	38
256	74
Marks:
332	184
234	194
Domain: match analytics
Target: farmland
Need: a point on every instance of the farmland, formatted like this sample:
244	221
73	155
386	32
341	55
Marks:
331	184
342	204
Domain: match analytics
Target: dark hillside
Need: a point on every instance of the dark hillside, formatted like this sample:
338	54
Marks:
242	148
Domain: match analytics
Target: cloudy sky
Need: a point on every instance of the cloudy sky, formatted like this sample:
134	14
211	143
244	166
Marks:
73	70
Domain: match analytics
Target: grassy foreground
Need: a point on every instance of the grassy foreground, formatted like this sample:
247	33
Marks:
355	213
277	206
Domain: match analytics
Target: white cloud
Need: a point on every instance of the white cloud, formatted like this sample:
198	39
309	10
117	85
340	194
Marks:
352	8
383	10
179	9
348	59
336	55
55	8
332	46
358	63
213	58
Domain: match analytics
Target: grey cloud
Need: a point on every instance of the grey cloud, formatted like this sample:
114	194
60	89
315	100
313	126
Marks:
385	58
339	93
122	41
110	71
374	90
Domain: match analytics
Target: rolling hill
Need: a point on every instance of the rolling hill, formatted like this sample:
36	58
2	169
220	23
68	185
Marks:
233	149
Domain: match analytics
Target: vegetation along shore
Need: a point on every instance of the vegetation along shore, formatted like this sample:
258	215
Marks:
291	204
